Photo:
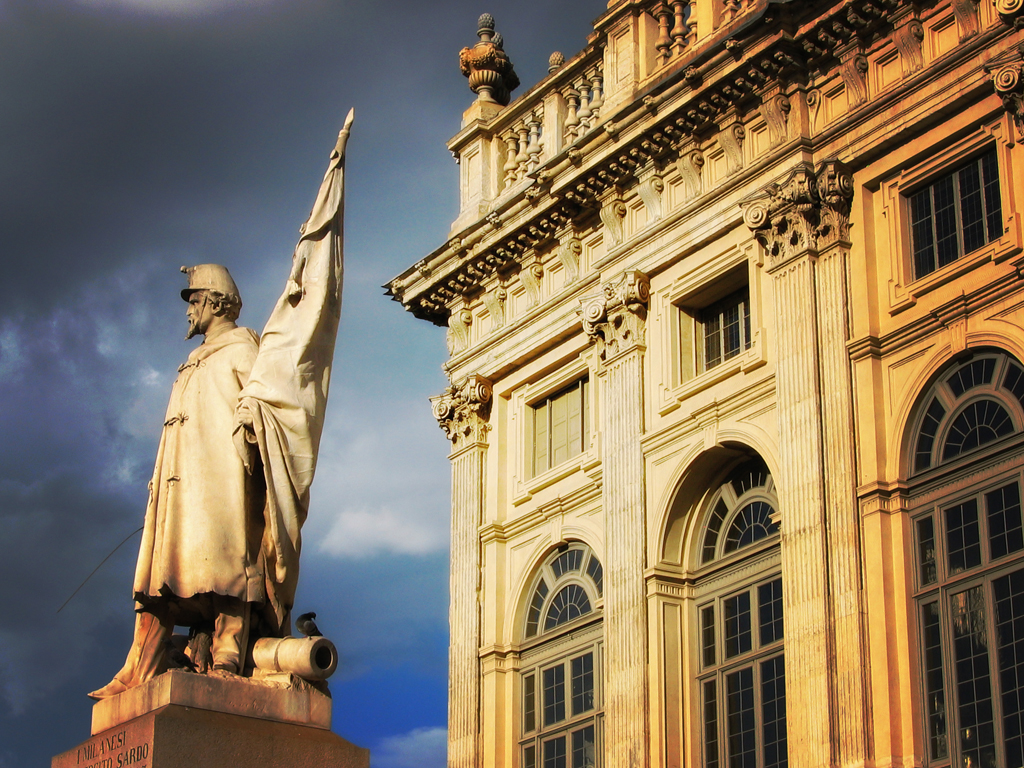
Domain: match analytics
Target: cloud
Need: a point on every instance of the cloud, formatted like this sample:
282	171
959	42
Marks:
174	7
366	532
419	748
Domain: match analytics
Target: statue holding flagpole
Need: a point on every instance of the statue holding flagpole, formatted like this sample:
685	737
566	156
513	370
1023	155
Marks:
230	489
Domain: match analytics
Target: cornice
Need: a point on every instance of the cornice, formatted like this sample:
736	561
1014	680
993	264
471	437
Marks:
759	61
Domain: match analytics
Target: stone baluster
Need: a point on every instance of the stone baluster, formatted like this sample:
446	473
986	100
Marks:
585	113
572	120
680	31
803	225
596	96
615	320
509	168
533	147
463	412
522	158
664	42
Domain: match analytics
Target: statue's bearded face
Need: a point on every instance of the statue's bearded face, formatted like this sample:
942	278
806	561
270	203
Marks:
199	314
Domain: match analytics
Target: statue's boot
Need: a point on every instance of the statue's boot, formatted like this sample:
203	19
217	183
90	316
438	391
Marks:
146	659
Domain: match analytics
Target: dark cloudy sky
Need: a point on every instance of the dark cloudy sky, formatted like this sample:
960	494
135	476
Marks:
140	135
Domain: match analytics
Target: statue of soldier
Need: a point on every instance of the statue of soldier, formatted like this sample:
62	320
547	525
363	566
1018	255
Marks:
200	562
230	491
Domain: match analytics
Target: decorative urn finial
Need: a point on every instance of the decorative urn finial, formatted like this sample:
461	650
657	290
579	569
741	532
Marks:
555	60
490	72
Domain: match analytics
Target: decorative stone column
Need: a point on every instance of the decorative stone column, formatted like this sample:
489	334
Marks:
615	320
803	225
463	412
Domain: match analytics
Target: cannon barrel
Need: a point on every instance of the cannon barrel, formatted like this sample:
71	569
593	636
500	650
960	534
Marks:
311	658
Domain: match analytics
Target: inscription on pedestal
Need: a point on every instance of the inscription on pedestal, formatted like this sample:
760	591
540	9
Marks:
126	747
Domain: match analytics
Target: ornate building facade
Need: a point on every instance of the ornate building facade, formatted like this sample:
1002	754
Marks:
734	308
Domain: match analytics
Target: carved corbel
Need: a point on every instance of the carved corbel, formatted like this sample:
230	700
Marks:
731	138
806	213
775	111
615	318
495	300
1009	85
650	189
463	410
854	69
459	322
690	165
530	276
613	213
966	13
569	250
908	38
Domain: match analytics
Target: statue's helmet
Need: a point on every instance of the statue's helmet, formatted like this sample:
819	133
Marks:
210	277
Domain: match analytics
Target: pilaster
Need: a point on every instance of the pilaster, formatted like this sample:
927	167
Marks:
803	225
463	411
615	319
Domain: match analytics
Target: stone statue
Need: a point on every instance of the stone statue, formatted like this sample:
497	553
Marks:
230	490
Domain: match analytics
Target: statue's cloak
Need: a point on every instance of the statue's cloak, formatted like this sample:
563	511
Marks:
203	520
286	394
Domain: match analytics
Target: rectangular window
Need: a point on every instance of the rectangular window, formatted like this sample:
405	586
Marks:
529	703
560	428
554	695
726	329
955	214
582	683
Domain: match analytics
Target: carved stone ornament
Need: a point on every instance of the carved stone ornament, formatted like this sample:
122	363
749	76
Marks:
908	39
807	212
615	318
1009	84
690	164
1011	12
463	410
854	70
613	212
490	72
458	330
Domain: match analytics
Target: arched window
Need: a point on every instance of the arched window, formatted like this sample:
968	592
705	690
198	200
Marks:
741	679
969	563
560	669
975	404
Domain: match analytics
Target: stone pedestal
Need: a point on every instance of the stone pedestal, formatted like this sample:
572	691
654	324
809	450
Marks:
184	720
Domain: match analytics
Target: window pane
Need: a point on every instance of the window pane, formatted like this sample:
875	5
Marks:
944	206
536	604
963	540
554	698
935	691
732	341
530	757
773	712
926	437
769	598
739	701
972	215
570	603
583	683
554	753
972	375
993	212
926	550
529	703
540	438
1014	381
737	624
714	527
583	748
559	429
707	635
973	682
712	341
921	232
978	423
1009	605
596	573
570	560
710	724
1005	534
751	524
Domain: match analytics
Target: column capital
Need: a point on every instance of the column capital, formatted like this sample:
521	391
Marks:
615	318
463	410
805	213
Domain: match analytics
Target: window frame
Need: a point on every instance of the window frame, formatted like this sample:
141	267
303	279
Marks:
892	194
739	298
578	436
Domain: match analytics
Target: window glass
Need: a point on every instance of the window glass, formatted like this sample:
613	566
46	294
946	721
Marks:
955	215
560	430
726	329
